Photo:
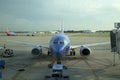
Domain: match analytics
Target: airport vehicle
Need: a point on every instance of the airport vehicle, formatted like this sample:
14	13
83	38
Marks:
2	64
10	33
30	34
57	73
4	52
60	45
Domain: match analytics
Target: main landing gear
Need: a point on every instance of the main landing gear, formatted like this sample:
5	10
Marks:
72	52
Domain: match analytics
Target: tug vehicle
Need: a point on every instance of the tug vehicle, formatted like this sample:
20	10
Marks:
57	73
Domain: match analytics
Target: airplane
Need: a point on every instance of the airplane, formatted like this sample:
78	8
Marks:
10	33
60	45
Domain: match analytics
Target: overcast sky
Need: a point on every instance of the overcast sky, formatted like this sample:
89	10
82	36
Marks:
43	15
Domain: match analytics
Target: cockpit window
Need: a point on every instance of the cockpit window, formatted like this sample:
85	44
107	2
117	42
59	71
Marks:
58	42
61	42
55	42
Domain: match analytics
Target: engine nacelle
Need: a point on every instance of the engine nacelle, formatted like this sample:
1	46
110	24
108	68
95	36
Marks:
37	50
84	51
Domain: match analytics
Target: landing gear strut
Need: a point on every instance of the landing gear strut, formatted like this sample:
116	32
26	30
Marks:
48	53
72	52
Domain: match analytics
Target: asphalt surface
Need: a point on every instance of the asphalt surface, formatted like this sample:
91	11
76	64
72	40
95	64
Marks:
23	66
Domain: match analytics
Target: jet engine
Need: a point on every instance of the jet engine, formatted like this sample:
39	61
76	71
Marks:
37	50
85	51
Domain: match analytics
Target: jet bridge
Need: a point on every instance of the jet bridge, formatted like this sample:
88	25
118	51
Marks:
115	41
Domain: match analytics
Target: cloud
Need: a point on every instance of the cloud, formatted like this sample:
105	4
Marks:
49	13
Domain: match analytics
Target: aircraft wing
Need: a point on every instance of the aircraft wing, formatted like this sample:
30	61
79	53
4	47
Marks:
88	45
29	44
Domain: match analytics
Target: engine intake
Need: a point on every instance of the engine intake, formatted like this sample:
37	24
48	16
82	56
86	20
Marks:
37	50
85	51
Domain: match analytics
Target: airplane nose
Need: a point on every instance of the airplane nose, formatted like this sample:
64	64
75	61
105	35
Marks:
58	50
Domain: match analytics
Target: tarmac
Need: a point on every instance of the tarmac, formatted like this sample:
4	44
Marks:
24	66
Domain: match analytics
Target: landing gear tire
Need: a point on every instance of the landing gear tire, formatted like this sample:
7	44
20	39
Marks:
48	53
72	53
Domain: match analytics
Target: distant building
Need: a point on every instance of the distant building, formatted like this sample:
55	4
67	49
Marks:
80	31
103	31
54	32
87	31
42	32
